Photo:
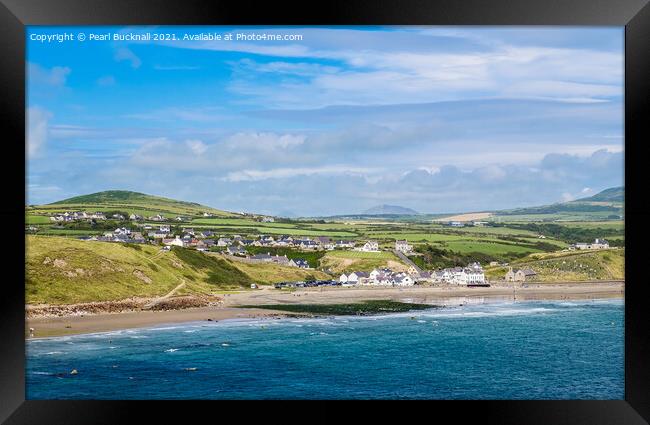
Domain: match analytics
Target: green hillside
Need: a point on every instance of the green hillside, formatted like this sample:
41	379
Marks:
613	194
64	270
605	205
569	266
124	201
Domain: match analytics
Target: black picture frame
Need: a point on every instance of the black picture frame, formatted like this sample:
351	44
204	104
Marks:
633	14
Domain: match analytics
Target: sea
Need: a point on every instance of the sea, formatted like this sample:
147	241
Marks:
489	350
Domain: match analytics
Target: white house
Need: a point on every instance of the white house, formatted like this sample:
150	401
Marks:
173	242
403	280
370	246
403	246
355	277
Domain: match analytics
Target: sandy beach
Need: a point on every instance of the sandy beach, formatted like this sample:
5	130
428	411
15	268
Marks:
228	309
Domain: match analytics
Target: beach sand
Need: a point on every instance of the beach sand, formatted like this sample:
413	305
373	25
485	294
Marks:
442	295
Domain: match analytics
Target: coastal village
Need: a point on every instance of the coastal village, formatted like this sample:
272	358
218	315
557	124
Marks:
170	233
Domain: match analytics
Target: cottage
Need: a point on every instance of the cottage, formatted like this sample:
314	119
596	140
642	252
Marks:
520	275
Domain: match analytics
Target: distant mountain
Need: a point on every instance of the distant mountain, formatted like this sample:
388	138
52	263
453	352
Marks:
389	209
613	194
134	202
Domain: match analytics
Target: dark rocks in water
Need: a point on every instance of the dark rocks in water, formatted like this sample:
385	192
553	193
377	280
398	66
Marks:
209	320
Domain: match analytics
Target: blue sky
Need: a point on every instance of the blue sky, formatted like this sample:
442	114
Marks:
438	119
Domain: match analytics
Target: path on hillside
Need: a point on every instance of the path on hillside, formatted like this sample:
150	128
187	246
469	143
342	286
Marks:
407	260
164	297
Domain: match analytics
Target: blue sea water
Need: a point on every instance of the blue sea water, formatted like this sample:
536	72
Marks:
503	350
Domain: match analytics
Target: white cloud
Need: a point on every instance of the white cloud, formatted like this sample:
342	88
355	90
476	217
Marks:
55	76
125	54
37	129
283	173
196	146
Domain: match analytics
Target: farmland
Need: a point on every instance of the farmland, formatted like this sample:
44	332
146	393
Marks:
63	269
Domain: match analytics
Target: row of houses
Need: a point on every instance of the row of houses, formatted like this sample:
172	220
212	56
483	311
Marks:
304	243
281	260
597	244
69	216
471	275
377	277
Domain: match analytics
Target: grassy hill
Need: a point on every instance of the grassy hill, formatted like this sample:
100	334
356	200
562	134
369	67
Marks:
605	205
613	194
127	202
64	270
569	266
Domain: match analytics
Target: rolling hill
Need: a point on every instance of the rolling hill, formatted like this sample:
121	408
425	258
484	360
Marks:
389	210
613	194
128	202
605	205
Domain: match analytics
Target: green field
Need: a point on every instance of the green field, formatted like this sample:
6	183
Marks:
37	219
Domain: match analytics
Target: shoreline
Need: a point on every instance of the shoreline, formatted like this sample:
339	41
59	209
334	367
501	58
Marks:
228	309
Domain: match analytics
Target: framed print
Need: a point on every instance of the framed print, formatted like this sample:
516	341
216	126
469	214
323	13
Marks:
402	201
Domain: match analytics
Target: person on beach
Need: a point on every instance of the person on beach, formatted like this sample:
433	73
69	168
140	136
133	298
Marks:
31	332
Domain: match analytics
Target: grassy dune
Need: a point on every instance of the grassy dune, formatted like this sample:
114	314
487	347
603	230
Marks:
64	270
570	266
273	273
349	261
